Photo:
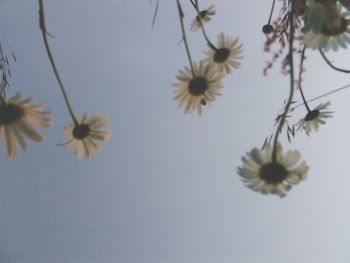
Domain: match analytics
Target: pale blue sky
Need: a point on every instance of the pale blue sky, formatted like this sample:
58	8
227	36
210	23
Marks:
165	188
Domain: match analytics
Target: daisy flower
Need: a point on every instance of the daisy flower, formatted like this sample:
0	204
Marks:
314	118
205	16
17	120
84	137
260	173
317	14
226	55
331	36
197	90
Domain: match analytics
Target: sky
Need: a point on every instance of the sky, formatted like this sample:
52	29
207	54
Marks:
165	189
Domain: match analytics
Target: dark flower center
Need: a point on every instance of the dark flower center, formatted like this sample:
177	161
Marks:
336	31
311	115
197	86
221	55
203	13
273	173
81	131
10	113
267	29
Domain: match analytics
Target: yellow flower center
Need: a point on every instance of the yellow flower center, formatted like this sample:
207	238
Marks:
273	173
311	115
81	131
197	86
221	55
10	113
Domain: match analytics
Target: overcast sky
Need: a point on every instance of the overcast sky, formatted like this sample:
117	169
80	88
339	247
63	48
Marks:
165	188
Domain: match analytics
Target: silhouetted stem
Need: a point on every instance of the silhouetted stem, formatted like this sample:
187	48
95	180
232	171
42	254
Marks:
181	15
331	65
300	73
52	62
291	92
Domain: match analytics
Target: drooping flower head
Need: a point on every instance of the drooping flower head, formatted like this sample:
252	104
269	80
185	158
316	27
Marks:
260	173
226	55
332	35
314	118
200	89
205	16
319	13
84	138
17	121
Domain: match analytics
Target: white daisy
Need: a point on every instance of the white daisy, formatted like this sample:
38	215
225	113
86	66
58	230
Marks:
226	55
205	16
200	89
314	118
84	138
17	118
331	35
263	175
318	13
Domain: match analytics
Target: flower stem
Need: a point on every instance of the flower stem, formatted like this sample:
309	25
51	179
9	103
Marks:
330	64
52	62
210	44
181	16
299	85
273	6
291	92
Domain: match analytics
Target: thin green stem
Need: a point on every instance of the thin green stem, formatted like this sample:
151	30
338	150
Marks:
181	16
299	85
52	62
330	64
291	74
271	12
199	16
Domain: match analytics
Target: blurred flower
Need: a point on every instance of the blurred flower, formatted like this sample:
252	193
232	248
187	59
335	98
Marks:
318	13
332	35
263	175
197	90
17	118
226	55
205	16
314	118
84	138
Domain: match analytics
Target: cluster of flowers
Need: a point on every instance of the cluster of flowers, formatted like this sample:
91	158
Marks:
326	26
19	119
201	82
316	24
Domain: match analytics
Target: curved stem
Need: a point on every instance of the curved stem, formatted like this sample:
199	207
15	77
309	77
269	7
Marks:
331	65
291	92
299	85
210	44
52	62
181	16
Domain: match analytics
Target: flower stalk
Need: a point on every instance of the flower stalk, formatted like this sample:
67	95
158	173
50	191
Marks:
52	62
291	74
181	16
